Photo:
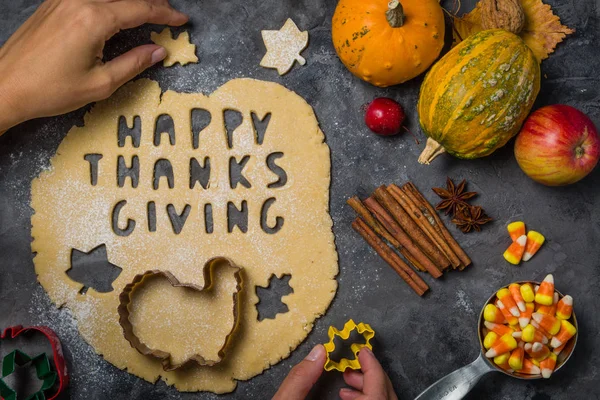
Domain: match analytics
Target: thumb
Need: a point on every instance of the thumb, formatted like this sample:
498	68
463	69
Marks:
126	66
303	376
374	376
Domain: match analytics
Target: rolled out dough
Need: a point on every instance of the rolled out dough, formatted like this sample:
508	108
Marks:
71	213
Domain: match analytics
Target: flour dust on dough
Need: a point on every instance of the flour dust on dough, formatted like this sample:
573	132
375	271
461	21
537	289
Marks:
284	47
293	237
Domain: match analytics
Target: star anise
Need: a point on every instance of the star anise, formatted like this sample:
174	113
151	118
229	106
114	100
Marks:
469	217
453	196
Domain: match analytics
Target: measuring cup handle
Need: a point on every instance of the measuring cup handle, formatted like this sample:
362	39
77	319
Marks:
457	384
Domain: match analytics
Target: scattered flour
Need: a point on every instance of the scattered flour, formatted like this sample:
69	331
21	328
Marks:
463	302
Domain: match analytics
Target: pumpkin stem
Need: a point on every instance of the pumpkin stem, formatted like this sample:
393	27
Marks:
395	14
431	151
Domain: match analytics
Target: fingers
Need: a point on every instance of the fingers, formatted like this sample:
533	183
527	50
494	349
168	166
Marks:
374	377
132	13
349	394
125	67
303	376
354	379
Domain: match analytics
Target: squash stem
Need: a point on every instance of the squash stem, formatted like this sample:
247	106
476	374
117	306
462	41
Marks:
431	151
395	14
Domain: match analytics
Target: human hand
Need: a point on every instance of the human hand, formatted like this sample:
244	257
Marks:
303	376
53	63
370	384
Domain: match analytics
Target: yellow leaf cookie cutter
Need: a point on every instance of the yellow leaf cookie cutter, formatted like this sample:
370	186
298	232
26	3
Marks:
362	328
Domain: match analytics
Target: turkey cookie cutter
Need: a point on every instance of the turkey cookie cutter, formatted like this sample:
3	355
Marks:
163	356
364	329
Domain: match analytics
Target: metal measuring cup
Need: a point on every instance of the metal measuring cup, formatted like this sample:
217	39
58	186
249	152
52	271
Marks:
457	384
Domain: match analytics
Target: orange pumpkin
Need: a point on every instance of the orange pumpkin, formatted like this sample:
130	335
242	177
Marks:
388	43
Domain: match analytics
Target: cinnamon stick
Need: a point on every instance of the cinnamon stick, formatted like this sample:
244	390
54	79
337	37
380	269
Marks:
396	231
368	218
405	272
435	220
364	213
416	214
410	227
410	258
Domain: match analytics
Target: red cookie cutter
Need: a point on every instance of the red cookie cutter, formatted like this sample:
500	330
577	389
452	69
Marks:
57	353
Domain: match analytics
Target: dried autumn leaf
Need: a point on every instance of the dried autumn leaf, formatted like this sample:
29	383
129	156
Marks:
467	25
542	32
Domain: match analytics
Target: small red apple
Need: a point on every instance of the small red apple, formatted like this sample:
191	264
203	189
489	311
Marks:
384	116
558	145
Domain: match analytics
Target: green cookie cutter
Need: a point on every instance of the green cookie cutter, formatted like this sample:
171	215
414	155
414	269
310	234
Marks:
43	370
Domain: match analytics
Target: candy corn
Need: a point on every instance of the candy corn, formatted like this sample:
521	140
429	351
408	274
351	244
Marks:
529	368
515	361
527	292
537	350
548	309
535	240
492	314
506	367
516	230
515	251
530	335
515	291
531	342
510	319
502	359
545	293
507	300
524	245
525	316
490	339
567	331
540	329
500	329
547	366
564	307
559	349
506	343
547	322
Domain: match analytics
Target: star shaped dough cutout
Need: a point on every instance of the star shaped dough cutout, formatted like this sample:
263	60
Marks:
284	47
179	50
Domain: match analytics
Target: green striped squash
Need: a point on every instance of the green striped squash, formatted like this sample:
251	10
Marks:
478	95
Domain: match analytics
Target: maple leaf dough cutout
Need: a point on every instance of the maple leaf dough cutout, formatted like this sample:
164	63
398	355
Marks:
542	31
92	269
179	50
284	47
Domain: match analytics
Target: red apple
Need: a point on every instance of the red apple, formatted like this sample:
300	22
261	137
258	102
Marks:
384	116
558	145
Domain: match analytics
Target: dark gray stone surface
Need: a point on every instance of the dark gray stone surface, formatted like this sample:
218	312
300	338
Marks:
418	340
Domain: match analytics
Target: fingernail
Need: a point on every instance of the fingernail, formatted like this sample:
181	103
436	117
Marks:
367	350
315	353
158	54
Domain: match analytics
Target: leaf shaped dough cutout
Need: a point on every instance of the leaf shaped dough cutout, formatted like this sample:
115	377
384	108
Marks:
284	47
179	50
